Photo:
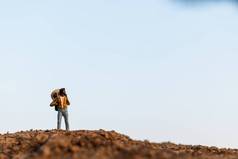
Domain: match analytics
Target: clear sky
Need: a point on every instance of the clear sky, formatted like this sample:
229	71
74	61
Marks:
159	70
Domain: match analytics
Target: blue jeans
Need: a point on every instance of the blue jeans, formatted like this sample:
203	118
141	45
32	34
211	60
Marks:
64	113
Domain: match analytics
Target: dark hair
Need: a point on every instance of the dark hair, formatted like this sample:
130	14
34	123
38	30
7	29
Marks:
62	92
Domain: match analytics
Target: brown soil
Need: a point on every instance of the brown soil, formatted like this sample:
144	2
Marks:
99	145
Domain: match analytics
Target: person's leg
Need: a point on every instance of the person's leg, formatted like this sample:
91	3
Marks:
59	117
66	119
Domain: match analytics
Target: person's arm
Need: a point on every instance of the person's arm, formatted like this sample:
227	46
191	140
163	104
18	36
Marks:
67	101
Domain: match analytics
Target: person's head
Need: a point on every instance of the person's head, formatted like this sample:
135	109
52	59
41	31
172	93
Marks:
62	92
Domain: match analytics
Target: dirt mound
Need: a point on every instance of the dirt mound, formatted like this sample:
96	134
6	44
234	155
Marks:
98	145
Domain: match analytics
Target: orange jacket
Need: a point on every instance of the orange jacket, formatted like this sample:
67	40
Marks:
57	102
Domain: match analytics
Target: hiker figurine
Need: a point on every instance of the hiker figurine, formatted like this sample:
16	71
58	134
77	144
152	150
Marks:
60	102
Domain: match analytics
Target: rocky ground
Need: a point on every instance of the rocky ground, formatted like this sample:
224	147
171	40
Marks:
98	145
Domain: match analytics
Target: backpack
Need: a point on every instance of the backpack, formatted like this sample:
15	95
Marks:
54	96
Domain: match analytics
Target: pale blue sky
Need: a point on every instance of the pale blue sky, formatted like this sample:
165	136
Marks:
157	70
